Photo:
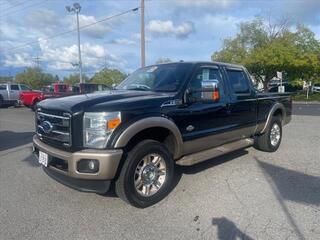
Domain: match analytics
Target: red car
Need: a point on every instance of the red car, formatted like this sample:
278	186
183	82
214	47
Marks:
31	98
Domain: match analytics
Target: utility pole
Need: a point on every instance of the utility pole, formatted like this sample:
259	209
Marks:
76	8
37	61
143	54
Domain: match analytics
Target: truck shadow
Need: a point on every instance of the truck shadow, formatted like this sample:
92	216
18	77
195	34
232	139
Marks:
292	185
9	139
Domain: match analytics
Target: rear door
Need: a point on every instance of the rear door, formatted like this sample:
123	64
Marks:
243	103
14	92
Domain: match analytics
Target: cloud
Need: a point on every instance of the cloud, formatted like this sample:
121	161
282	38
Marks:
94	56
18	60
167	28
123	41
43	18
303	11
205	3
98	30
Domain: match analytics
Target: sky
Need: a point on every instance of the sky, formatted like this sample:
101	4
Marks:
175	29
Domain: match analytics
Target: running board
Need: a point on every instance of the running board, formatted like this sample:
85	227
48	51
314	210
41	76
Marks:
214	152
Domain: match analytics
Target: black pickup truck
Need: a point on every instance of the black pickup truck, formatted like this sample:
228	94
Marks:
132	136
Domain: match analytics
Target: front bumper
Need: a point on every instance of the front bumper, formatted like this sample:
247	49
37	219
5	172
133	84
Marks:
67	163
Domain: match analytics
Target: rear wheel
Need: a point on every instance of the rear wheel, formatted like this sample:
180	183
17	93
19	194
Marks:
147	174
271	139
1	101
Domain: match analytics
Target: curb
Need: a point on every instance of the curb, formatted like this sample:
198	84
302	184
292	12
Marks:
304	102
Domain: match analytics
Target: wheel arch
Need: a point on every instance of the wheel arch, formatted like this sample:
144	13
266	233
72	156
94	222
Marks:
276	110
151	126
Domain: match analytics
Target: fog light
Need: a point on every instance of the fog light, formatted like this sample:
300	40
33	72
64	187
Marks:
88	166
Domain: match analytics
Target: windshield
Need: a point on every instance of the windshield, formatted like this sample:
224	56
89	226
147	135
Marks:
158	78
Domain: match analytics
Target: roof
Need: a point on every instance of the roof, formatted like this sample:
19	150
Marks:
206	62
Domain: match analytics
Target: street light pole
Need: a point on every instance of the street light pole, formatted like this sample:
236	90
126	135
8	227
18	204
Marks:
76	8
143	56
79	49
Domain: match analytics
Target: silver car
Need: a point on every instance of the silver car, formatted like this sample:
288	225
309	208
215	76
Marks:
316	88
10	92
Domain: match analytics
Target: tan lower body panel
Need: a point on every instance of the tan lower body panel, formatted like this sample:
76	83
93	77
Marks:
214	152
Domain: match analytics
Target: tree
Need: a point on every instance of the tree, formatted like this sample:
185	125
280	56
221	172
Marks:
266	48
5	79
35	78
74	79
108	77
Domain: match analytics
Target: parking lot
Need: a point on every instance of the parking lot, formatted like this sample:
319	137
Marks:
244	195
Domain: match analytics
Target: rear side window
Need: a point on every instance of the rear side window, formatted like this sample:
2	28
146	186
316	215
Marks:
14	87
3	87
238	81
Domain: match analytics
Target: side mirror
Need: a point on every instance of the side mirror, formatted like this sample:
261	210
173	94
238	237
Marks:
209	92
114	86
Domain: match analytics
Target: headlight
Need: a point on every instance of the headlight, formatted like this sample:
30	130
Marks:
98	126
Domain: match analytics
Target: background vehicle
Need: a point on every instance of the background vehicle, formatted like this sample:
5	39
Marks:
161	115
288	88
9	93
89	88
31	98
316	87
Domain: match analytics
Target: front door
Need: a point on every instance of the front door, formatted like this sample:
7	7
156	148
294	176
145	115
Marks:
203	124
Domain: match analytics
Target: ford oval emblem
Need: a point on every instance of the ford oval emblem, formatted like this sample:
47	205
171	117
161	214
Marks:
46	126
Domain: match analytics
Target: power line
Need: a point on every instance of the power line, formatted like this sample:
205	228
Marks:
73	30
13	6
22	9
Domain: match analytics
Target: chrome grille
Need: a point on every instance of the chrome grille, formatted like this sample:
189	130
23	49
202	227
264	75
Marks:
54	128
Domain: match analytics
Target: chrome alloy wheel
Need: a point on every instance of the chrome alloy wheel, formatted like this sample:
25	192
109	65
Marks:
150	174
275	134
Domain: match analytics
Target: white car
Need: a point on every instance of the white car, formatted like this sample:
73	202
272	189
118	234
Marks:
316	88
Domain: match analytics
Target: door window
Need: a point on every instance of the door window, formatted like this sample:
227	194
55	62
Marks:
238	81
3	87
203	77
14	87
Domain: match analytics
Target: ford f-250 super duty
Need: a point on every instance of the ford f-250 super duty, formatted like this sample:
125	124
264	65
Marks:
177	113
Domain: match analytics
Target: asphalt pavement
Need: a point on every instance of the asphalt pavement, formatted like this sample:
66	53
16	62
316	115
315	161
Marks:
247	194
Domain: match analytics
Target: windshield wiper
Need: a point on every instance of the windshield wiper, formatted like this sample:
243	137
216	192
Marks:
138	89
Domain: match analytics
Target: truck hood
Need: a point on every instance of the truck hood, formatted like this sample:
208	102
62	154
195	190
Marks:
114	100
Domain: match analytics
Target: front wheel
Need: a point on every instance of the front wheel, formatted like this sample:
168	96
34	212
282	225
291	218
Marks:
147	174
271	139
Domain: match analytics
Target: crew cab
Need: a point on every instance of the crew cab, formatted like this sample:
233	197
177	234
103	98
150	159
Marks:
160	116
9	93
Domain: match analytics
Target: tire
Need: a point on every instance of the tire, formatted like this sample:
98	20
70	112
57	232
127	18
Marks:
34	106
266	142
1	101
125	185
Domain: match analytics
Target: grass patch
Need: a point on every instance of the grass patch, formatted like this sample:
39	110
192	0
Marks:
303	97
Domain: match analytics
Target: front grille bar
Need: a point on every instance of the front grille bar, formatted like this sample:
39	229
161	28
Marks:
62	135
